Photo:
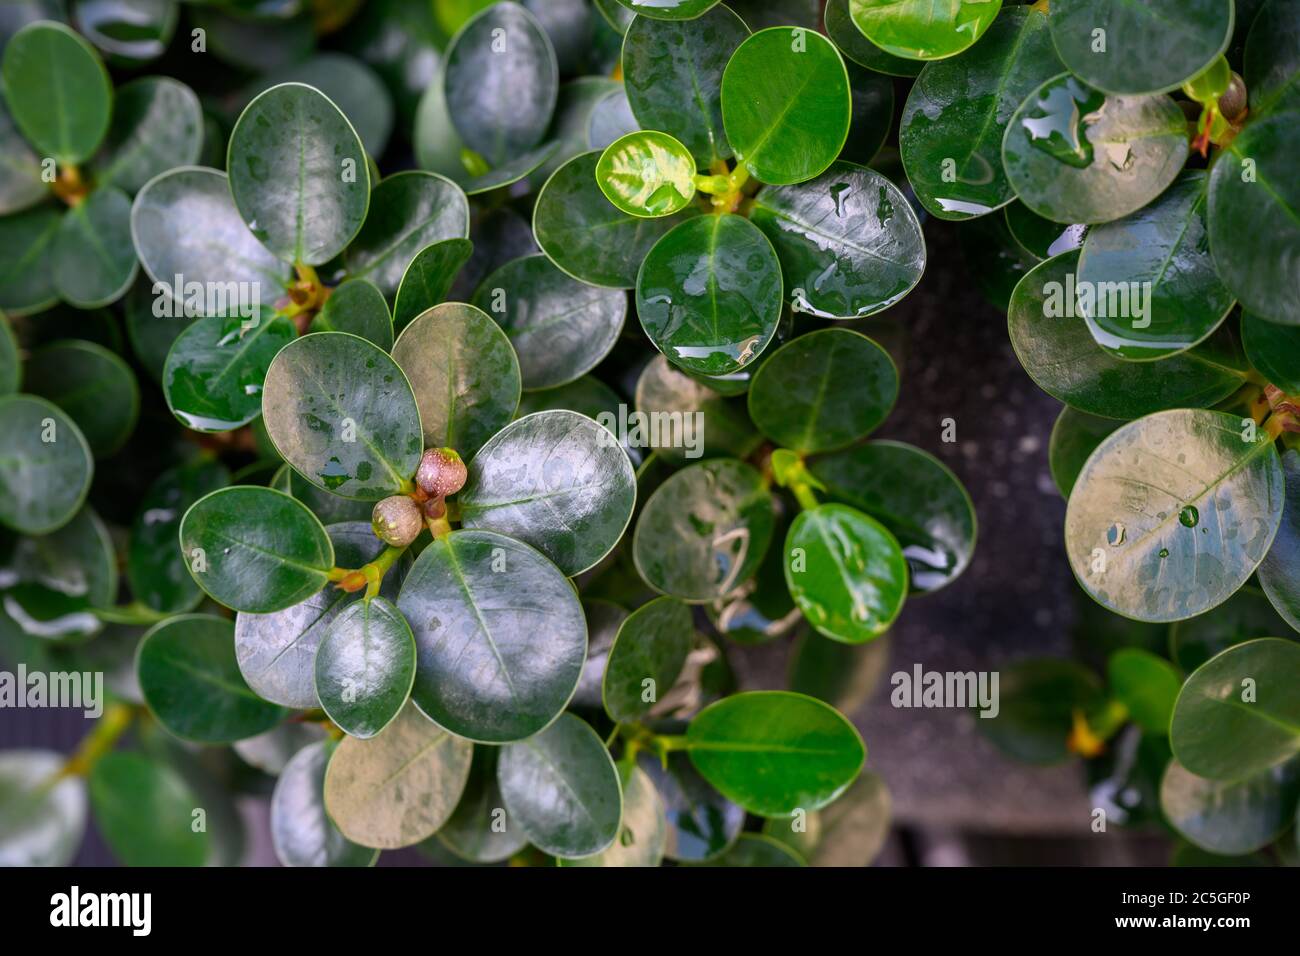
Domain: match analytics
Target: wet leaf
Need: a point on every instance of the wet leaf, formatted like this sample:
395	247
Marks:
365	667
357	306
856	47
920	29
647	174
428	278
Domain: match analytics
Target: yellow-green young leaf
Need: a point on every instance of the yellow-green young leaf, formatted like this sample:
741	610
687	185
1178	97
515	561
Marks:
923	29
647	173
1146	685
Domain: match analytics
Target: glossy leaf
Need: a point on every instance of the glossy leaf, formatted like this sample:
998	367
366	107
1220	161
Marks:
501	82
357	306
1272	57
40	825
555	480
786	104
92	260
585	236
1075	436
920	29
260	549
1146	685
1041	237
562	789
1148	47
298	174
428	278
365	667
849	242
873	113
192	684
396	789
476	832
560	328
157	125
341	412
27	279
673	76
1177	496
611	118
1243	617
773	751
957	112
1279	574
669	9
46	471
144	811
647	174
823	391
722	430
95	387
1274	350
214	375
1054	345
58	91
500	636
464	375
1239	713
709	294
302	832
651	645
704	531
701	822
644	830
851	41
1234	817
1075	155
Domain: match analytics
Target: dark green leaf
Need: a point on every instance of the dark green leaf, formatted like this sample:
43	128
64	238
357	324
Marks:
91	258
651	646
1075	436
1243	617
1279	574
365	667
611	117
27	279
701	822
921	29
479	831
665	392
301	830
428	278
152	335
1274	350
157	125
644	830
1041	237
10	361
357	306
1234	817
58	91
93	385
46	469
873	113
145	812
1272	57
21	186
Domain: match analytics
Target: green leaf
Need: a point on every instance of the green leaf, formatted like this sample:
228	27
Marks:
1254	217
40	825
151	339
357	306
326	505
277	651
562	789
46	469
644	830
1272	58
701	822
1243	617
501	80
647	174
144	811
855	46
1148	47
93	385
786	104
21	186
1239	713
651	645
499	634
342	413
408	212
1038	700
475	832
849	833
1146	685
58	91
849	242
1182	495
846	572
438	147
823	390
661	391
774	752
298	174
672	72
399	788
428	278
922	29
155	566
1274	350
302	832
261	550
1075	436
669	9
585	236
555	480
1170	298
192	684
221	259
214	375
1054	345
464	375
1279	574
704	531
1041	237
157	125
915	496
560	328
27	279
1075	155
578	97
1235	817
709	294
757	850
10	361
843	675
365	667
956	114
91	258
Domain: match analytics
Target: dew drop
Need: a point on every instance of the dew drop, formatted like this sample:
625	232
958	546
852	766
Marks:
1189	517
1115	535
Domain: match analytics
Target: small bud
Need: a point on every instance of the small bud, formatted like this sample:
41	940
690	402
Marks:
1232	104
396	521
435	508
441	472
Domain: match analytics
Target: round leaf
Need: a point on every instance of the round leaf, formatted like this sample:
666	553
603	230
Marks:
301	830
709	294
921	29
472	833
1244	616
1075	436
1145	684
499	634
58	91
664	391
27	279
849	242
1179	496
644	830
774	752
464	375
851	41
157	125
40	825
258	550
92	259
651	645
341	412
145	811
95	387
1274	350
357	306
1279	574
562	788
191	682
786	104
647	173
365	667
1230	817
428	278
56	579
46	469
1075	155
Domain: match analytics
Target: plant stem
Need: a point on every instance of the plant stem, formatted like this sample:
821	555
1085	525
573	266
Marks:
803	494
115	721
368	576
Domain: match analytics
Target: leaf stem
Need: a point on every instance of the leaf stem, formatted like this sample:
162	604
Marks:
109	729
368	576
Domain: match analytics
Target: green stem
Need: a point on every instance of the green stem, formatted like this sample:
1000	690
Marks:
803	493
377	568
115	721
134	614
